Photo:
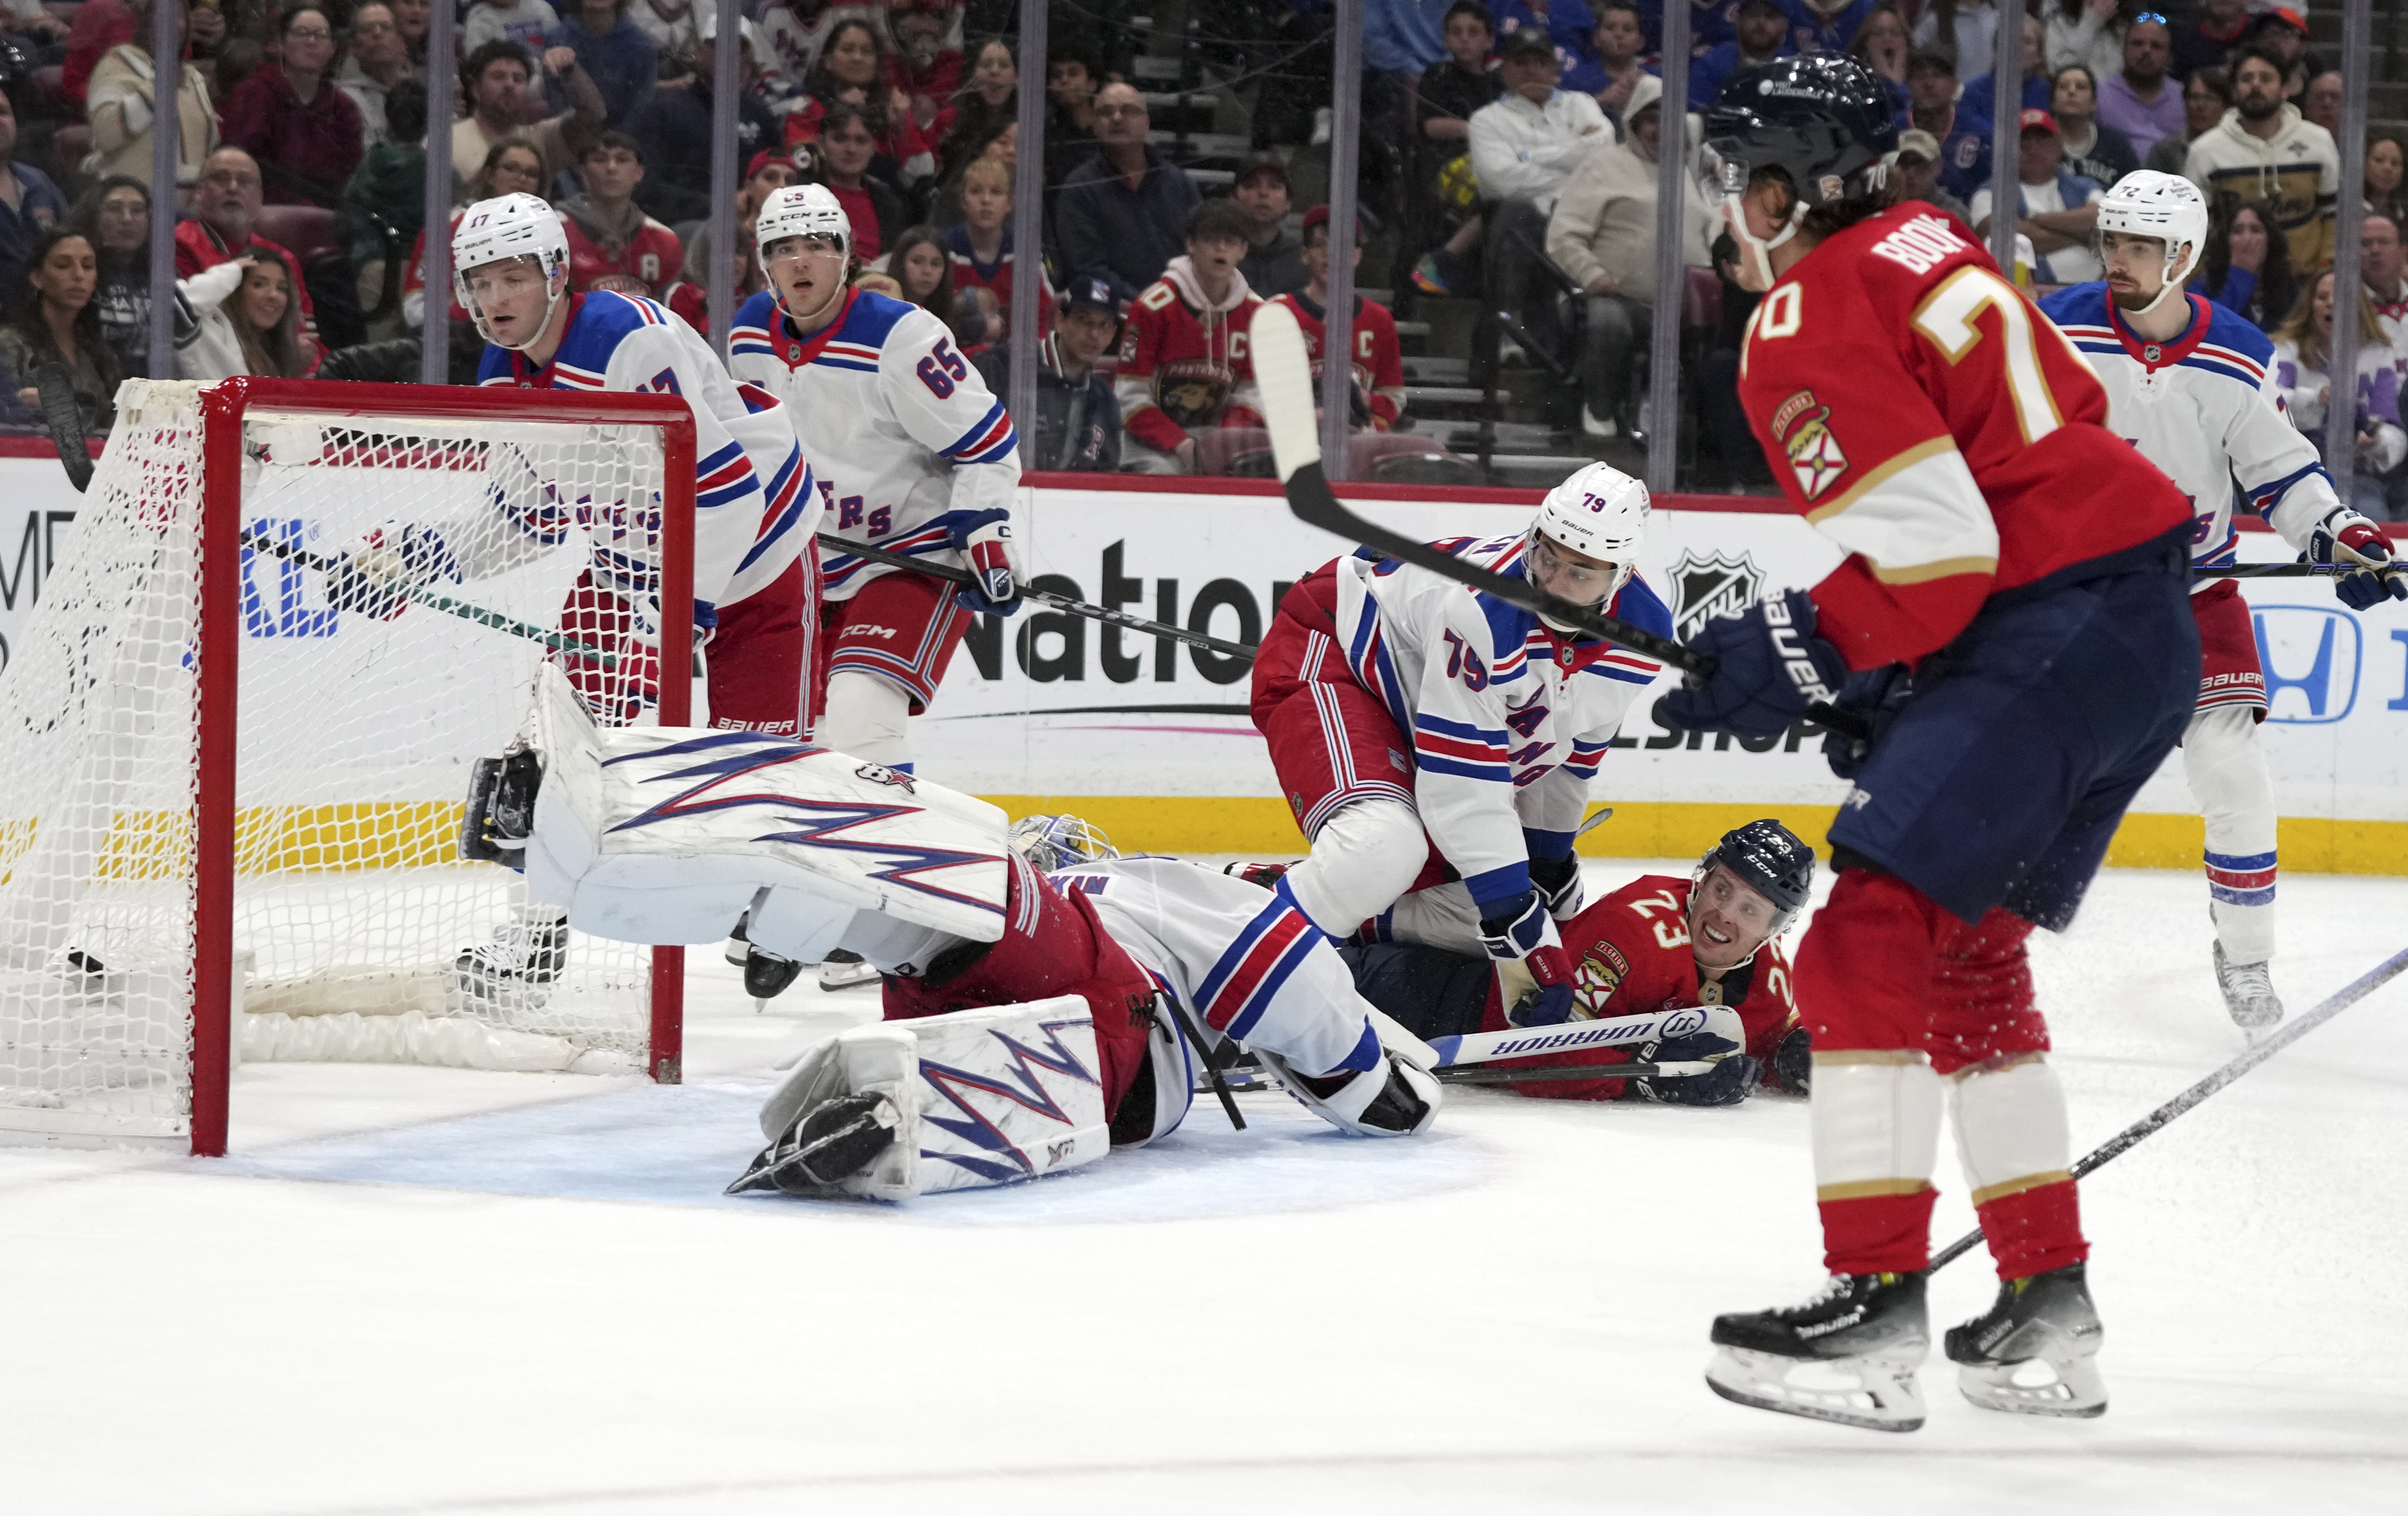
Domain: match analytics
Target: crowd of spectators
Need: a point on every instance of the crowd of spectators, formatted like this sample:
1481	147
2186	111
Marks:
1511	155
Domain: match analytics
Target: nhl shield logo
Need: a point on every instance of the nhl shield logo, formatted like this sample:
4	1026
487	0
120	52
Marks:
1708	586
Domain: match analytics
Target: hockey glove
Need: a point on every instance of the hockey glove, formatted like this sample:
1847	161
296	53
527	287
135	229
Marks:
1793	1062
1881	694
985	542
2344	537
1733	1075
1770	666
1559	880
1534	974
375	578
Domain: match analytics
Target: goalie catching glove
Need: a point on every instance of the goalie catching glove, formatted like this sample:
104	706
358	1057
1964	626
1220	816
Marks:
1770	666
1534	974
2343	538
374	577
985	542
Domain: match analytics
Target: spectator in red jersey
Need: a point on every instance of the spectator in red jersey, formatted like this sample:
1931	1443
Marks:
613	245
1378	358
980	250
227	205
290	117
689	297
924	71
852	71
99	25
1184	367
848	145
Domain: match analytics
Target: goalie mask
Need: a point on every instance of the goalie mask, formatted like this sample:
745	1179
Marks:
1600	513
499	230
2165	207
1821	121
802	211
1058	841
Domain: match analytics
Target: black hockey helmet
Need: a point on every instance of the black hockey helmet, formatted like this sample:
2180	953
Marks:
1822	118
1769	859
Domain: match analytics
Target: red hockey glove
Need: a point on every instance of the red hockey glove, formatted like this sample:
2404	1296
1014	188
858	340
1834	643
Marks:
2344	537
1532	968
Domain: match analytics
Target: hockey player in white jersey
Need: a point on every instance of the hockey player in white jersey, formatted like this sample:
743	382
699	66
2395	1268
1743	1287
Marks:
1029	1017
1422	731
755	509
911	452
2188	383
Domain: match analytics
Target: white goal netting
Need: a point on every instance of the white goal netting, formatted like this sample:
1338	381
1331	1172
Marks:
357	932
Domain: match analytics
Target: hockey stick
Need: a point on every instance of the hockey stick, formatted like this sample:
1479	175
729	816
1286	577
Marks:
2133	1135
444	603
1585	1071
1569	1037
1285	376
64	422
1043	597
2274	570
1212	1065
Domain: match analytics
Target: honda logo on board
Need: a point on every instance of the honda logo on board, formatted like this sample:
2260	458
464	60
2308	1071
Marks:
2311	655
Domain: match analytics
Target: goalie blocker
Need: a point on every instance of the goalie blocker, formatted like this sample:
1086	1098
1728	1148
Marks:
1026	1026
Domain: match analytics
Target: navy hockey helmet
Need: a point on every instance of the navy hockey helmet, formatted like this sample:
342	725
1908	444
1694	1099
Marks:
1771	859
1822	118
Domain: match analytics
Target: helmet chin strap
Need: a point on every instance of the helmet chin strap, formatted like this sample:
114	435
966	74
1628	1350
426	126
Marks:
1755	252
2174	277
552	299
825	306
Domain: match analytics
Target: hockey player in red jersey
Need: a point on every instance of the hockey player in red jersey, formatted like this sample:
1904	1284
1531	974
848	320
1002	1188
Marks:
2011	618
1660	942
1184	366
1378	358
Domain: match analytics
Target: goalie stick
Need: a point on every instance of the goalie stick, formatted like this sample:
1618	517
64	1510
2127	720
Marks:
1284	372
1043	597
444	603
2140	1131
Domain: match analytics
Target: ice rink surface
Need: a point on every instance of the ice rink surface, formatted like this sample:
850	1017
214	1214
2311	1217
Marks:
431	1291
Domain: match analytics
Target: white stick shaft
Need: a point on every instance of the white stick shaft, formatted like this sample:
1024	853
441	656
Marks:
1573	1036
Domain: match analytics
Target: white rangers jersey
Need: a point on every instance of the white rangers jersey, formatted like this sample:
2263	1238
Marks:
2206	408
754	504
1241	961
904	439
1509	720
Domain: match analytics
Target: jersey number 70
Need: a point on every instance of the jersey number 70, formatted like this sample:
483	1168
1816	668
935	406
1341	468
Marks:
1946	317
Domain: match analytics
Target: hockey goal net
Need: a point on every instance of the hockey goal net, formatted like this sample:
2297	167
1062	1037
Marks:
237	735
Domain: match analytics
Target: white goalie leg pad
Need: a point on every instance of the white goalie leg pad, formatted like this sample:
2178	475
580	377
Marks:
1875	1117
2226	763
867	717
984	1097
2012	1133
1366	855
668	834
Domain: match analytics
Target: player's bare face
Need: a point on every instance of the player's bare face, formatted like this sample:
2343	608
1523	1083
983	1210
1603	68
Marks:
1572	576
2136	267
512	297
1728	920
808	273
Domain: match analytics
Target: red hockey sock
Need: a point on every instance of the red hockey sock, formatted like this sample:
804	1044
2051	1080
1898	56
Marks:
1878	1234
2034	1231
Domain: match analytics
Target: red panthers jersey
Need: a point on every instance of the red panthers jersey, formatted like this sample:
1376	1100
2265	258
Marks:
1939	429
651	258
1379	357
1633	955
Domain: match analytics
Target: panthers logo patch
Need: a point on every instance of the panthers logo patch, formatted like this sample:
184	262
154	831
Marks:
1802	426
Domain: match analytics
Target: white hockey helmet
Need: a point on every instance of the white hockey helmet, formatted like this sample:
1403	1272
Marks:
1058	842
800	210
2168	207
510	227
1599	513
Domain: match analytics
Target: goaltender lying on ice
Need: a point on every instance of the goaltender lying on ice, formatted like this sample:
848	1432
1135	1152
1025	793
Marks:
1049	1019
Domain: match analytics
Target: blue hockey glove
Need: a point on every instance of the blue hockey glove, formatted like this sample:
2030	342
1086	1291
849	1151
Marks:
1559	880
374	577
1733	1078
1880	694
985	542
2344	537
1533	971
1770	666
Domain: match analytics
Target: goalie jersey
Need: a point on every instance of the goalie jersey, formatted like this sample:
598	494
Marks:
2207	409
904	439
754	505
1508	720
1941	434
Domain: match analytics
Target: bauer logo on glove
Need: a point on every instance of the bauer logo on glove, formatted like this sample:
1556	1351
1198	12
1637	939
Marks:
2344	537
1768	668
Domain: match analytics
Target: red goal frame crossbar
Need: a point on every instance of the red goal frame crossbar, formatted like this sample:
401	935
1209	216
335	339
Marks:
224	407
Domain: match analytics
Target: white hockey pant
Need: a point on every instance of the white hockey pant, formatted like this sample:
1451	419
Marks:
867	717
1367	853
2225	764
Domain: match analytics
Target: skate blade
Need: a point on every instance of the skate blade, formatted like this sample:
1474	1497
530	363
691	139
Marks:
1871	1393
846	975
2036	1386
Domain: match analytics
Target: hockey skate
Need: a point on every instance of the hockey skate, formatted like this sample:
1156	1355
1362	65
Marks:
765	974
1847	1354
1393	1099
515	969
841	970
833	1141
2032	1352
2249	994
